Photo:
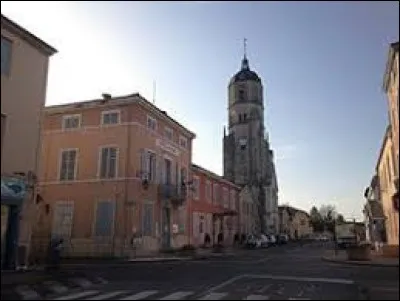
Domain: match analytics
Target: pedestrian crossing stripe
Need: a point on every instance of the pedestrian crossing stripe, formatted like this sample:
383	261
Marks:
140	295
179	295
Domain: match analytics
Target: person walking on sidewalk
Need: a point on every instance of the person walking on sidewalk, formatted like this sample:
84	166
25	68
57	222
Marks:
54	253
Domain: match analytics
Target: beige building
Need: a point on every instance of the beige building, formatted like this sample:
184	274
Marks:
387	166
391	88
386	172
294	222
24	67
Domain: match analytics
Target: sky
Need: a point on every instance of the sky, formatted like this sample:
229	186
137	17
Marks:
321	63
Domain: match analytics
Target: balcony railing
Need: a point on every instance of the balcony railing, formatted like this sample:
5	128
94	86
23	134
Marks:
176	194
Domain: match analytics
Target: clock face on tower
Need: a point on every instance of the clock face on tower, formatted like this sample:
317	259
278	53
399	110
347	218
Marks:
242	143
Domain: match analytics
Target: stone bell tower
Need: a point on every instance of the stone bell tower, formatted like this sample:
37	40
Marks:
247	153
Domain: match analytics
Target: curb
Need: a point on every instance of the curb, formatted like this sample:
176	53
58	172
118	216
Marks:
362	263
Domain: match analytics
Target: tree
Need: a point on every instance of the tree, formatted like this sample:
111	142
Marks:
340	219
325	218
328	213
316	220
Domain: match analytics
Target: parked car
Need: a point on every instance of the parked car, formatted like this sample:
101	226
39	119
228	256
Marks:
264	241
272	240
345	242
283	239
251	241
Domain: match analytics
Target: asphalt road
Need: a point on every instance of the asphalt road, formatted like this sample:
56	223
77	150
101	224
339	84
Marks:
279	273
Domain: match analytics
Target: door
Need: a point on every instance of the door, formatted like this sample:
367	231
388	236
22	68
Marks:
166	227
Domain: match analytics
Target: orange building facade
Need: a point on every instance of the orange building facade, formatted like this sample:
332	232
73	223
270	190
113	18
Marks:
214	208
114	177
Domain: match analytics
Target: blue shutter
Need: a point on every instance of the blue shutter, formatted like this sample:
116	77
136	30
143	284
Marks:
104	218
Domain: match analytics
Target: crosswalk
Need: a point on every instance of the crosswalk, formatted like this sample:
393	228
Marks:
159	295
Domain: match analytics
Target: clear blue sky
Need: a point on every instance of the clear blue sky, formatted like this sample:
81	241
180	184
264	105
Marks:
321	63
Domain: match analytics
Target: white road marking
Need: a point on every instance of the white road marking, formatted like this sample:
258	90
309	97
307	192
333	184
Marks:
176	296
213	296
101	280
256	297
385	289
106	295
225	283
77	295
140	295
82	282
27	293
56	287
305	279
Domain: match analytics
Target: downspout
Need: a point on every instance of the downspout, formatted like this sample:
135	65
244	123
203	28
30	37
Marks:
127	177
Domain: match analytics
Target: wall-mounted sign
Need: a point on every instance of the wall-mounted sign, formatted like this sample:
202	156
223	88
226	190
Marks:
13	190
168	147
175	229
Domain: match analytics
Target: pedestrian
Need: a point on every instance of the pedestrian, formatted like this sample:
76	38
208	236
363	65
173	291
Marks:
54	253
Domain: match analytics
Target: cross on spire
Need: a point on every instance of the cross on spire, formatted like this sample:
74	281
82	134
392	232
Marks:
244	47
245	62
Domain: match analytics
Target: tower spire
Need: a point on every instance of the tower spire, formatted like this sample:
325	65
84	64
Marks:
245	61
244	48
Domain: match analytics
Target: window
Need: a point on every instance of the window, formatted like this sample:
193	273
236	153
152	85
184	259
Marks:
233	200
3	127
216	194
167	171
389	170
151	123
68	164
169	133
108	162
104	218
110	117
183	175
241	95
208	191
148	164
225	197
63	219
147	219
5	56
71	122
201	224
196	188
183	142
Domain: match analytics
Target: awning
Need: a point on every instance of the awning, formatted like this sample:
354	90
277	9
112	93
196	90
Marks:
13	190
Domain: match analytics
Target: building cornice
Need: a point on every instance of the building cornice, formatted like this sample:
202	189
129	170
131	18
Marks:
386	137
393	49
113	102
24	34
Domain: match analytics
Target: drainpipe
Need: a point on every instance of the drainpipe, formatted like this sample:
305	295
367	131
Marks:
126	187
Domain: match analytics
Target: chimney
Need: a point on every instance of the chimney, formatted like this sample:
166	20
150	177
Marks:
106	96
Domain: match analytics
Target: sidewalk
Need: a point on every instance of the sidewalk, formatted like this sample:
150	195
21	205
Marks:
341	257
